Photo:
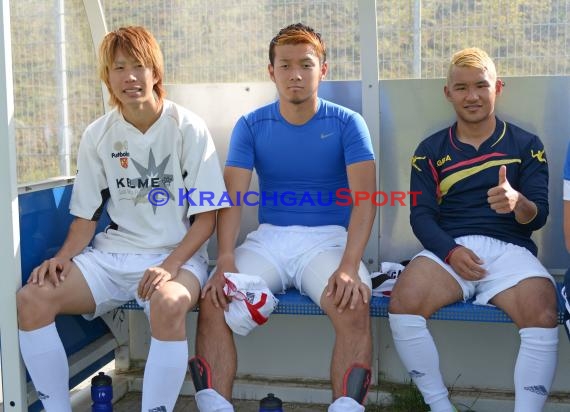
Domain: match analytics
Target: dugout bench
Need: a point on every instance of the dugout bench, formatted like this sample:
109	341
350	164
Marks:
293	303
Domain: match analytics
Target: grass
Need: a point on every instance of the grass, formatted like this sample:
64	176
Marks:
408	399
405	398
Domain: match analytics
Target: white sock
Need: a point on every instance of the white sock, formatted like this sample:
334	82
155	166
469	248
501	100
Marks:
419	355
164	374
535	368
345	404
208	400
46	361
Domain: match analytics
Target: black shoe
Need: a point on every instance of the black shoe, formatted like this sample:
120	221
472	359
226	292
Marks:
200	371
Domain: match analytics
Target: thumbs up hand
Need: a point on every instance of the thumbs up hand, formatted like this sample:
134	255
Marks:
503	175
503	198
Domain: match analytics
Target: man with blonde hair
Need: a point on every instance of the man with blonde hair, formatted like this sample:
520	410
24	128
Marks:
484	185
137	160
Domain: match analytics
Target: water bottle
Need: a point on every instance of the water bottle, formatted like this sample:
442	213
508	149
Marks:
270	404
101	393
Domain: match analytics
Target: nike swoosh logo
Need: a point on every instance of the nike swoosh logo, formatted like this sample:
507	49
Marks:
325	135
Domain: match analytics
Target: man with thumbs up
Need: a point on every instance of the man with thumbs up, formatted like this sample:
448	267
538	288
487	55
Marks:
484	185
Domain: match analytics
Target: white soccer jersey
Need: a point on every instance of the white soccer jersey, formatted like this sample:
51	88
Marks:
139	172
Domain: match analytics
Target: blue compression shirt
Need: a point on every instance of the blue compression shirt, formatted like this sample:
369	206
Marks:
301	168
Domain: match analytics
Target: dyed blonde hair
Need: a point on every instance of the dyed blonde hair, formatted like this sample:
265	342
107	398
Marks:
472	57
298	34
138	43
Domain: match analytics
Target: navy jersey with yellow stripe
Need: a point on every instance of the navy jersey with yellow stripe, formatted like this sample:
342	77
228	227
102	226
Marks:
454	178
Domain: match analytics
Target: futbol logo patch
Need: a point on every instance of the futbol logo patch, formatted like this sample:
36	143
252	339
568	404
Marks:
121	153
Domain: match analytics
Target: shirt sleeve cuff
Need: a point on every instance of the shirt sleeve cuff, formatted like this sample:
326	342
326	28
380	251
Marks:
566	190
446	260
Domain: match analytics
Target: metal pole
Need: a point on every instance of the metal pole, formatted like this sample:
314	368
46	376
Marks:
370	102
417	32
370	78
98	26
64	135
13	372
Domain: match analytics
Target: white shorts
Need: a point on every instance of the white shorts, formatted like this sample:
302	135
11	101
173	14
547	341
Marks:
295	256
113	278
506	265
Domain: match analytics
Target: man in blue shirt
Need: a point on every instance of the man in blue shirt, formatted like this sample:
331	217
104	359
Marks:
304	150
484	185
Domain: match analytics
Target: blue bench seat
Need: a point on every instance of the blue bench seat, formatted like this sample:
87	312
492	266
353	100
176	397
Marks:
293	303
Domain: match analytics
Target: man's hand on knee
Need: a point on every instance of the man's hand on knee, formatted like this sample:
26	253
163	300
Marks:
152	280
346	288
214	290
55	270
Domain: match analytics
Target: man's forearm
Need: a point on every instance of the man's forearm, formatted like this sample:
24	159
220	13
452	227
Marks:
228	227
199	232
359	230
80	233
525	210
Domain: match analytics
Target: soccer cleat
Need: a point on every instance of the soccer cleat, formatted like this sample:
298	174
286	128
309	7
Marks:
200	371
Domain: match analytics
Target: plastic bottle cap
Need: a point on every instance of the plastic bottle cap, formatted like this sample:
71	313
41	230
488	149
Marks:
271	401
101	380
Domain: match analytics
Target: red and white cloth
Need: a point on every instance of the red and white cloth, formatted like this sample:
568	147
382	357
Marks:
251	302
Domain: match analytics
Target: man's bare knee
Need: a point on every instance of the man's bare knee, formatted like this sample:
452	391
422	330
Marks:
208	309
355	320
24	303
168	323
168	311
396	305
547	317
405	302
210	317
33	310
550	319
531	303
